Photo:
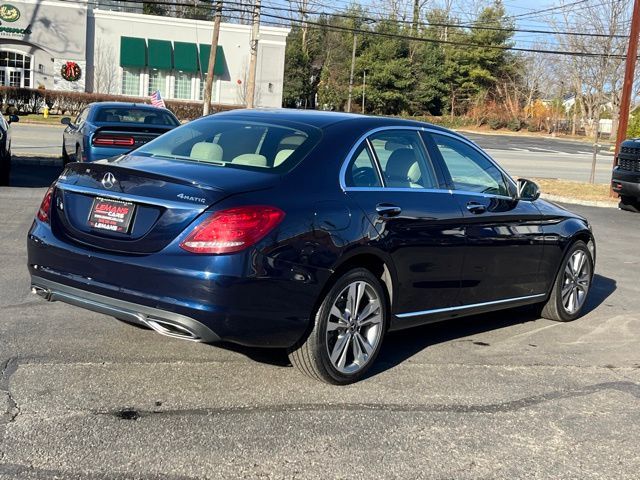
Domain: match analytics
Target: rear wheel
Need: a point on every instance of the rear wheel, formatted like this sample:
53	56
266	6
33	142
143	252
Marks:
65	156
5	169
348	330
569	293
631	204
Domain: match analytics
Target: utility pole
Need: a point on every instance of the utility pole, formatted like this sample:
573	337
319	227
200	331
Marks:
208	85
630	66
353	63
251	83
364	84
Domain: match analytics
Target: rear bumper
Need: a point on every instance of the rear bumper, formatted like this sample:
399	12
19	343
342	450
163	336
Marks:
162	321
626	183
248	298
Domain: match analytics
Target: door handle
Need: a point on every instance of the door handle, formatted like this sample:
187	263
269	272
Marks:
388	210
475	207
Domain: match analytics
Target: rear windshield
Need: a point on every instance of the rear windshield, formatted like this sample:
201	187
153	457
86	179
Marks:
235	143
150	116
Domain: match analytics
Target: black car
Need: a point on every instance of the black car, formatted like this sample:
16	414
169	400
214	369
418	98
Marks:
5	148
626	175
316	232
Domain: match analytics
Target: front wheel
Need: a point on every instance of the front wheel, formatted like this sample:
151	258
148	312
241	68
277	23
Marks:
569	293
348	330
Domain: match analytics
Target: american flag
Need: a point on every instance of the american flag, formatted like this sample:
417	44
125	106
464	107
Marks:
156	100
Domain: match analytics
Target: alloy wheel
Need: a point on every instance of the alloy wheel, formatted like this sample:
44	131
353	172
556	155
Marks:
576	282
354	327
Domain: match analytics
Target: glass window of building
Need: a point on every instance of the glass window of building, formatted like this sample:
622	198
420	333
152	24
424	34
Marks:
15	69
131	82
182	87
158	81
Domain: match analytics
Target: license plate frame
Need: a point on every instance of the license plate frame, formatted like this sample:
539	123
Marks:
110	215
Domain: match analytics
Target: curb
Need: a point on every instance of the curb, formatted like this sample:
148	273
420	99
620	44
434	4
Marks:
574	201
40	124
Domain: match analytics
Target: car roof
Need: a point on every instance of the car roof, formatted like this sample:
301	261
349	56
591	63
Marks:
124	104
322	119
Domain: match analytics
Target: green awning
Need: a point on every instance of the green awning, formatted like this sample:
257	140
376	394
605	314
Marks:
160	54
185	56
133	52
205	51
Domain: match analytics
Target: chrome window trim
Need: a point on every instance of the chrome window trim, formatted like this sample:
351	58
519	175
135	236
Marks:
365	137
467	307
140	200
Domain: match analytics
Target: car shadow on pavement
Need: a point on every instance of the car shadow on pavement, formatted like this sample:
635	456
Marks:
402	345
399	346
28	174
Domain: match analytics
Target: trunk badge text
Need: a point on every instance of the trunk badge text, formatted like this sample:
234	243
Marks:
109	180
182	196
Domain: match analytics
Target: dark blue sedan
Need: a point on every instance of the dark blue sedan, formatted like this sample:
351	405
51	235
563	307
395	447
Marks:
315	232
105	129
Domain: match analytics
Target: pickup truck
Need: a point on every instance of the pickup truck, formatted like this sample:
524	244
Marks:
626	175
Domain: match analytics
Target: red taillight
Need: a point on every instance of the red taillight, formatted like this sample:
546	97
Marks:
113	141
45	206
232	230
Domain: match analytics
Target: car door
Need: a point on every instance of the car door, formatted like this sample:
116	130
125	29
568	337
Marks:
72	135
414	218
504	235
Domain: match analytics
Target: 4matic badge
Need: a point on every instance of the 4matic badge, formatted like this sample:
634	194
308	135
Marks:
182	196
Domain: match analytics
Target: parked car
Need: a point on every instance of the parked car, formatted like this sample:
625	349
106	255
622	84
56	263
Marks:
317	232
5	147
105	129
626	175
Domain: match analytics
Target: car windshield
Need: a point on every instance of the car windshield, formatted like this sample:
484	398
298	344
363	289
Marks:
150	116
234	143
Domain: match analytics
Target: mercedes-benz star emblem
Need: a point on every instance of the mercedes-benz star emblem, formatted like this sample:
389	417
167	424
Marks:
109	180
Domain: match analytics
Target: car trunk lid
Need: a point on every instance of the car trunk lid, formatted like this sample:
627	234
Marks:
151	201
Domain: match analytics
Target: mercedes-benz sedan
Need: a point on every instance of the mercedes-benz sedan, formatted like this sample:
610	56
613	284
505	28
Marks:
315	232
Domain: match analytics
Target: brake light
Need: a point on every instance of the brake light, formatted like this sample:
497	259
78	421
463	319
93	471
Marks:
113	141
232	230
45	206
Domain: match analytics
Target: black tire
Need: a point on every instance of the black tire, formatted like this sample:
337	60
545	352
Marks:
311	355
630	204
65	156
554	308
5	170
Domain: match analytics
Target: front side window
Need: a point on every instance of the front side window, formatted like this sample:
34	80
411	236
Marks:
131	82
470	170
234	143
361	171
403	160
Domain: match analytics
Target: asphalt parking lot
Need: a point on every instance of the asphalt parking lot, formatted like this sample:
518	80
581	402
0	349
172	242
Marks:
505	395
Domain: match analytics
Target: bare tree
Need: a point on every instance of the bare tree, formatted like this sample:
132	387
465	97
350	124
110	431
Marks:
105	77
596	81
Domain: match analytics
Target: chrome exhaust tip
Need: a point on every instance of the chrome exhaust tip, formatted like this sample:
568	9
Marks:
170	329
41	292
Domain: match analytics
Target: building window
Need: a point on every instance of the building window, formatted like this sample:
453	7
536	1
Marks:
131	82
158	81
15	69
182	87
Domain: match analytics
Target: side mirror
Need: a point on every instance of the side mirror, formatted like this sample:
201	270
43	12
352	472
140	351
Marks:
528	190
65	121
13	119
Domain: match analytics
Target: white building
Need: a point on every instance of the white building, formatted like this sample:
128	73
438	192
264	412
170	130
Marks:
133	54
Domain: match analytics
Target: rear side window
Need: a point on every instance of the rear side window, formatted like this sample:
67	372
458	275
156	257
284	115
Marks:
470	171
235	143
361	171
149	116
403	160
